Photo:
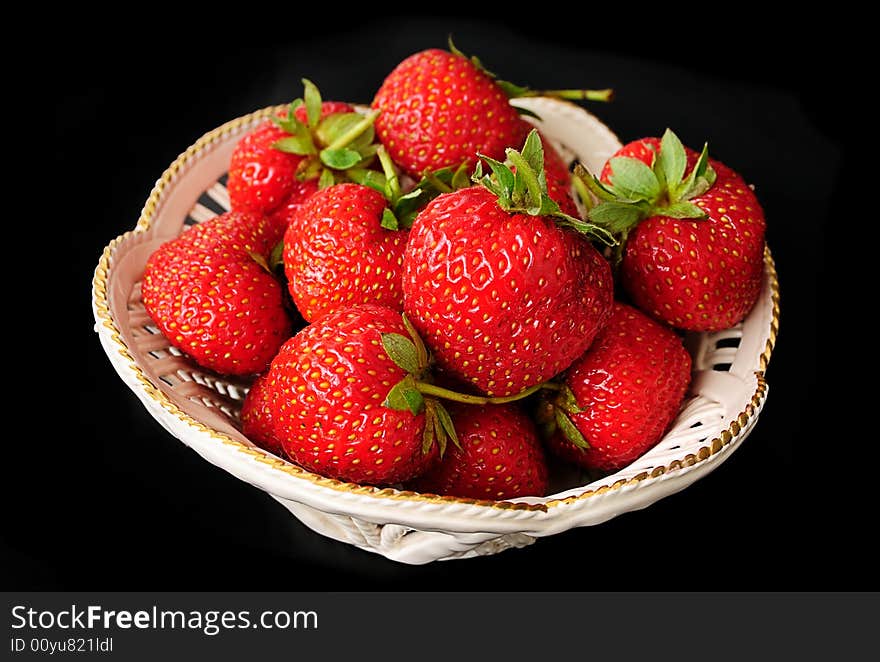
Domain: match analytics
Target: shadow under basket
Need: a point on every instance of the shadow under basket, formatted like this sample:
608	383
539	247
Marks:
201	408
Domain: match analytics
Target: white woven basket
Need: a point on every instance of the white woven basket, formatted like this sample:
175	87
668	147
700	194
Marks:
201	409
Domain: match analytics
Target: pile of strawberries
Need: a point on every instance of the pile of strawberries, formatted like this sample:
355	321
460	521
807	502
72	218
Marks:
463	317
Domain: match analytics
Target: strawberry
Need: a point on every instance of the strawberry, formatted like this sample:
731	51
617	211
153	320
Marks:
619	398
440	109
692	248
336	252
282	161
505	296
256	417
261	178
234	234
345	244
299	195
499	456
332	387
210	295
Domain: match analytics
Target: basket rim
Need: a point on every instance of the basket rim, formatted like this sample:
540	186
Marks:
103	316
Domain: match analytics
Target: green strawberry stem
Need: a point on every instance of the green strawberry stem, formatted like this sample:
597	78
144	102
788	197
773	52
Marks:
514	91
404	207
439	392
617	251
355	131
432	184
391	191
392	183
435	181
574	95
583	191
416	396
411	355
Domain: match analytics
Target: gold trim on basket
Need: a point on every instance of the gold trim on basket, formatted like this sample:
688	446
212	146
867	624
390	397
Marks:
102	311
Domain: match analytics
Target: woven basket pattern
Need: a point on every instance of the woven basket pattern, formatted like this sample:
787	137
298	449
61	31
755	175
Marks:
202	408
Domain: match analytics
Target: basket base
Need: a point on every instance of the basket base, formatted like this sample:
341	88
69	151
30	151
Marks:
400	543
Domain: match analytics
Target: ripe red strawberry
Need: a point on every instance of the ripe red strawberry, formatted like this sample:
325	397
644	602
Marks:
694	246
263	178
337	252
345	245
627	388
210	297
256	417
441	109
438	109
299	195
505	299
282	161
499	456
328	388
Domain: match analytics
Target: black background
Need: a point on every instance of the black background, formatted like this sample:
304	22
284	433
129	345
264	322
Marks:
103	498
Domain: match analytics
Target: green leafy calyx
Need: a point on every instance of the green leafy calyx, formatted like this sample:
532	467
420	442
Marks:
404	207
521	186
340	147
417	393
514	91
411	355
637	191
554	412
